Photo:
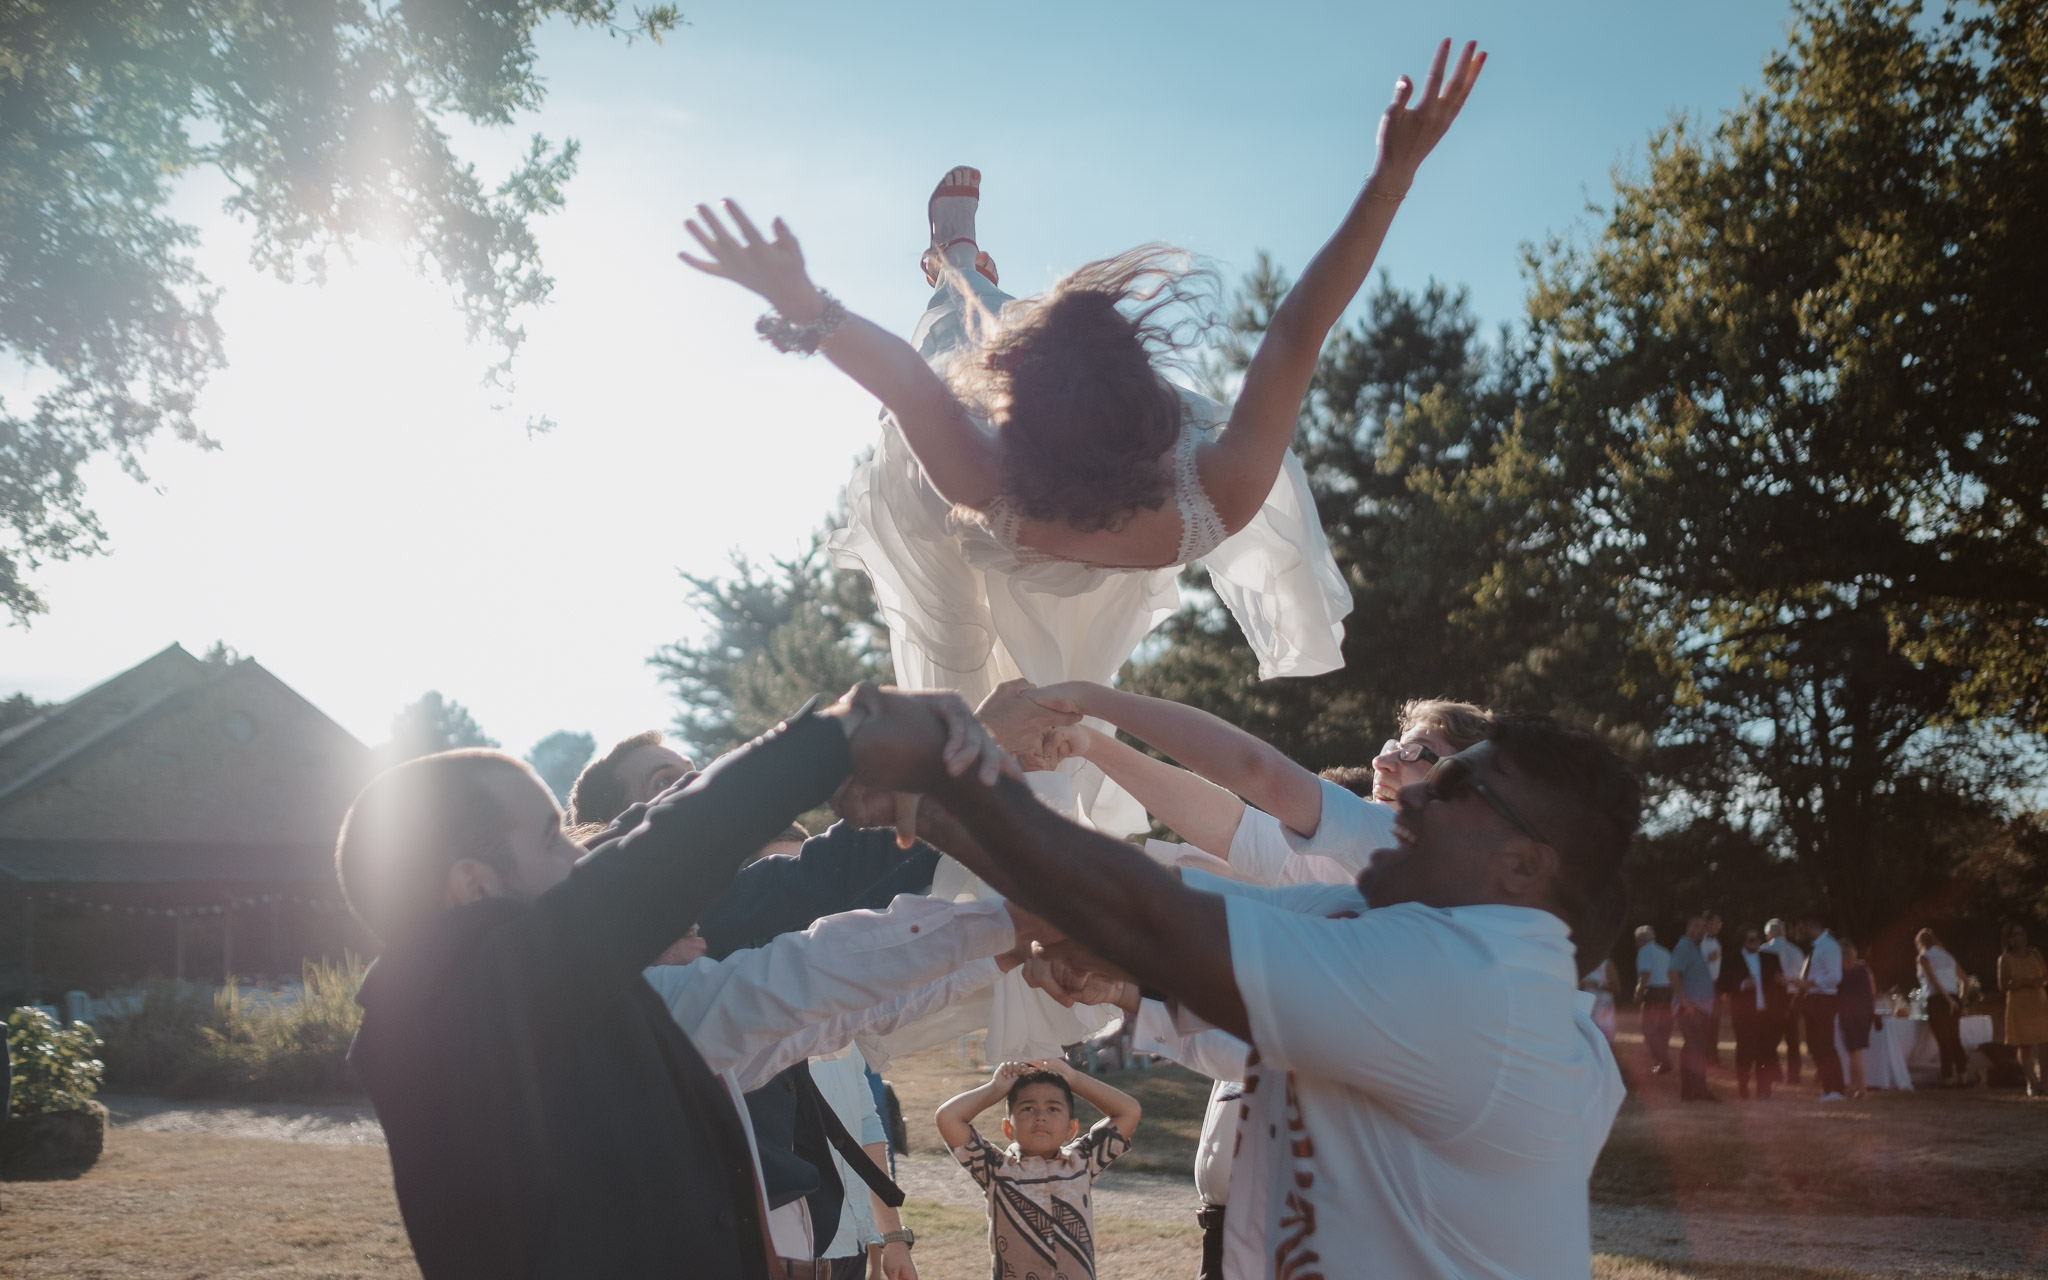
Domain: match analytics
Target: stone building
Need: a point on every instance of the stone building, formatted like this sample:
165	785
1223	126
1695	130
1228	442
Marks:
177	820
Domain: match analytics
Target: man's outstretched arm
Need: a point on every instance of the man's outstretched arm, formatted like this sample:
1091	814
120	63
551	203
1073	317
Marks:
1102	892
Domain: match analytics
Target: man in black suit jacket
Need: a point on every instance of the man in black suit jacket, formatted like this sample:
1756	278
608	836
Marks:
1753	982
545	1114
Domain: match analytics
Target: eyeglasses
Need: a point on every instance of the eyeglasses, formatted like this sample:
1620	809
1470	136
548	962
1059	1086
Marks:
1451	777
1409	752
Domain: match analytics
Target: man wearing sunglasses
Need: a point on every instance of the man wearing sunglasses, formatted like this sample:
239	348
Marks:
1427	1091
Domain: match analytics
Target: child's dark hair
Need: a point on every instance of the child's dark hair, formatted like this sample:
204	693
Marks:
1069	379
1053	1078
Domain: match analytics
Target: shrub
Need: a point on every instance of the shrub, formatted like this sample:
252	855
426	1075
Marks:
261	1050
162	1041
53	1069
188	1043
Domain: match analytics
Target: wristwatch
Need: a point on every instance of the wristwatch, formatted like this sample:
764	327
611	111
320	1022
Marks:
905	1237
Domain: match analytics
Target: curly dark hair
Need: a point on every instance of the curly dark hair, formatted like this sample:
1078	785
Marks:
1070	380
1040	1076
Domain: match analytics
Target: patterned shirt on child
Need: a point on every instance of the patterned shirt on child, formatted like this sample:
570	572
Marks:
1040	1224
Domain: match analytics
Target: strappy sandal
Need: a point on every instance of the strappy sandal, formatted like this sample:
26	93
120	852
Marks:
932	258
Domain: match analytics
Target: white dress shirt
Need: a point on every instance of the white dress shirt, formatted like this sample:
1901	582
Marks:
1218	1055
802	995
856	973
1824	966
1427	1094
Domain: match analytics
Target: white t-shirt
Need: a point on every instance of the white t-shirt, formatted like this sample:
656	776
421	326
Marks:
1426	1095
1348	831
1944	966
1262	852
1711	949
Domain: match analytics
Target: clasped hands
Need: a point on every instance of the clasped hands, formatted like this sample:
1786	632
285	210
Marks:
1039	726
906	745
895	736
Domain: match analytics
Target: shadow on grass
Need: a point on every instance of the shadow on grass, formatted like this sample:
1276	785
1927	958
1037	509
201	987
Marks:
1970	1155
1607	1266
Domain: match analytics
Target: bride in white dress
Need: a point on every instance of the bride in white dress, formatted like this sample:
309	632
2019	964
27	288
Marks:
1039	484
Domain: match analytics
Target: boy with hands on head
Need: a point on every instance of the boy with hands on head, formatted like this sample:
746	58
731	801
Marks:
1040	1214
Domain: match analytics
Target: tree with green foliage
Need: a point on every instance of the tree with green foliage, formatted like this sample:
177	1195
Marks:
433	723
559	757
18	708
778	634
1789	420
328	122
1401	437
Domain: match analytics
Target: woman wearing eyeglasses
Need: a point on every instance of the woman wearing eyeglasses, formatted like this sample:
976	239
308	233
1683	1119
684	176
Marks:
1238	797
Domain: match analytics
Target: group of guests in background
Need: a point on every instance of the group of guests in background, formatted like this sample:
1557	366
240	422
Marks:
1777	991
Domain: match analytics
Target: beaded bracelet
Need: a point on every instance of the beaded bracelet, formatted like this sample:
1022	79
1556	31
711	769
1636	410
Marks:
786	335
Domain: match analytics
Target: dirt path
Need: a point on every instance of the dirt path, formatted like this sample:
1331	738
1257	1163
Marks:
352	1124
1887	1246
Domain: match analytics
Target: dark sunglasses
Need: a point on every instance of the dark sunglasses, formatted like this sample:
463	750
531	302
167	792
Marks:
1409	752
1450	778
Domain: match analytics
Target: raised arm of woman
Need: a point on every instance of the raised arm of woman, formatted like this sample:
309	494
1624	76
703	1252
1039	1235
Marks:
1238	468
956	456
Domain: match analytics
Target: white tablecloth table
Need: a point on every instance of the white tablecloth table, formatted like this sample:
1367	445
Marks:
1921	1055
1884	1063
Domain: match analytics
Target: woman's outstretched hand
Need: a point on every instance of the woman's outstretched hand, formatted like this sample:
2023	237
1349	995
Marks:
772	268
1408	134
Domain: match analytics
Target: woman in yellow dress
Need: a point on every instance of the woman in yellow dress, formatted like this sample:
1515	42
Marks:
2023	976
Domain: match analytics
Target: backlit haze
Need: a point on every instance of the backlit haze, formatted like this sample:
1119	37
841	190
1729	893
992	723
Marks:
372	528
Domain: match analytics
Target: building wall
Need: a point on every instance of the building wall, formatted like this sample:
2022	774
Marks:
85	949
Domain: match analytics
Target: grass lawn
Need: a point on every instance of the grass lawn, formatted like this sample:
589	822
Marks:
189	1205
180	1206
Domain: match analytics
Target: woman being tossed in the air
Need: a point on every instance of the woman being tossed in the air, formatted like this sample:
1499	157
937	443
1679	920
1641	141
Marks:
1039	482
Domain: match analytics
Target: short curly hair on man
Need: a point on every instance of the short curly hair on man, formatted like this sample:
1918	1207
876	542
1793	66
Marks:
598	795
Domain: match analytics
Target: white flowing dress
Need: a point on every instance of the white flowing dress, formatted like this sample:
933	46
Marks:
967	608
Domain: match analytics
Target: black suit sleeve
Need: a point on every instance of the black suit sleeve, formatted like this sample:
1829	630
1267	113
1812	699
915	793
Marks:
1733	970
845	869
640	891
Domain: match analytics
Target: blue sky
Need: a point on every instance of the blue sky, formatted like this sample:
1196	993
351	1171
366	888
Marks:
373	528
